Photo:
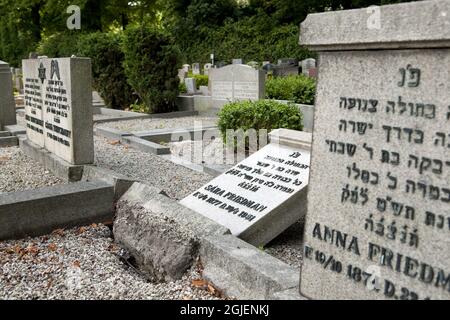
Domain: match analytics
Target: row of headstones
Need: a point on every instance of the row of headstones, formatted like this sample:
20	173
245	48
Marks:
378	201
284	67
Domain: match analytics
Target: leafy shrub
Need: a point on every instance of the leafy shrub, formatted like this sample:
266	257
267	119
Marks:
107	68
262	114
182	88
200	79
151	62
298	89
60	45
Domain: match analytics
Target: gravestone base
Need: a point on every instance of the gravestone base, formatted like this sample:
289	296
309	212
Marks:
62	169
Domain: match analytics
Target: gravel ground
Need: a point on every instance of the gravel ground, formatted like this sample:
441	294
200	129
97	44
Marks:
19	173
151	124
177	181
84	263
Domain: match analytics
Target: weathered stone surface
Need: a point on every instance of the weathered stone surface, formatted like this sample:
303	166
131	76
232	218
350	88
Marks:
38	212
161	235
58	106
7	105
261	196
407	25
236	82
378	219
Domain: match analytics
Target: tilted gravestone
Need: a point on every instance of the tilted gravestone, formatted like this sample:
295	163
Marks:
236	82
58	107
259	197
7	104
378	217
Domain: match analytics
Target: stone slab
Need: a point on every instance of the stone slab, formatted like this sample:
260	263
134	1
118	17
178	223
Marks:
38	212
407	25
58	106
16	130
111	133
4	134
59	167
379	190
145	146
258	198
9	141
243	271
7	104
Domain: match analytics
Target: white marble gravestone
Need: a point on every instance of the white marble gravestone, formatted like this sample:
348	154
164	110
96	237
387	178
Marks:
237	82
58	107
264	194
378	222
7	104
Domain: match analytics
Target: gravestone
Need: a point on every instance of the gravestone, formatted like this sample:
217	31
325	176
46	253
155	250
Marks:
196	68
187	67
259	197
58	107
191	85
291	61
7	104
182	74
206	68
237	61
378	217
18	80
307	65
237	82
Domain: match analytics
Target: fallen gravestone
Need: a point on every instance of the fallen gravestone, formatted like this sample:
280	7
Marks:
236	82
58	107
7	105
378	217
259	197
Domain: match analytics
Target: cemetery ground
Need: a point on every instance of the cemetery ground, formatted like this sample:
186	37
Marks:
43	267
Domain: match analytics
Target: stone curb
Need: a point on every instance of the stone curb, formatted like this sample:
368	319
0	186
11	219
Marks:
16	130
59	167
10	141
39	212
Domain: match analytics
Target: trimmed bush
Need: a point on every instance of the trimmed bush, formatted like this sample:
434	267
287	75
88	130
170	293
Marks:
107	68
298	89
262	114
60	45
200	79
151	62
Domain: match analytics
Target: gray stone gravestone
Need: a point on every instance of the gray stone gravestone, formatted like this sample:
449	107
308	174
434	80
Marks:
196	68
58	107
378	217
7	104
187	67
191	85
182	74
237	61
259	197
207	67
236	82
307	65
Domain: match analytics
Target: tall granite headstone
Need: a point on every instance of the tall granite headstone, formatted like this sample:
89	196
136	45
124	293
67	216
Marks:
7	104
58	107
378	222
236	82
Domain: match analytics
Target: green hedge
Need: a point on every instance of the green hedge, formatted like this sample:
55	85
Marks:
151	66
298	89
262	114
107	68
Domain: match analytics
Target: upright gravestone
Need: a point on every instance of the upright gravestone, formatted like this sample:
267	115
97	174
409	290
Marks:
196	68
307	65
237	61
206	68
378	217
58	107
259	197
7	105
236	82
191	85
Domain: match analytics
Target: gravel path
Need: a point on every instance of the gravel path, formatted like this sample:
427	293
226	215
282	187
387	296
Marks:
151	124
177	181
83	263
19	173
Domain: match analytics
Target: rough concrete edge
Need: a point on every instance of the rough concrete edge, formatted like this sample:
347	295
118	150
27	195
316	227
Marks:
62	169
19	199
145	146
257	274
10	141
121	183
16	130
156	201
110	133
